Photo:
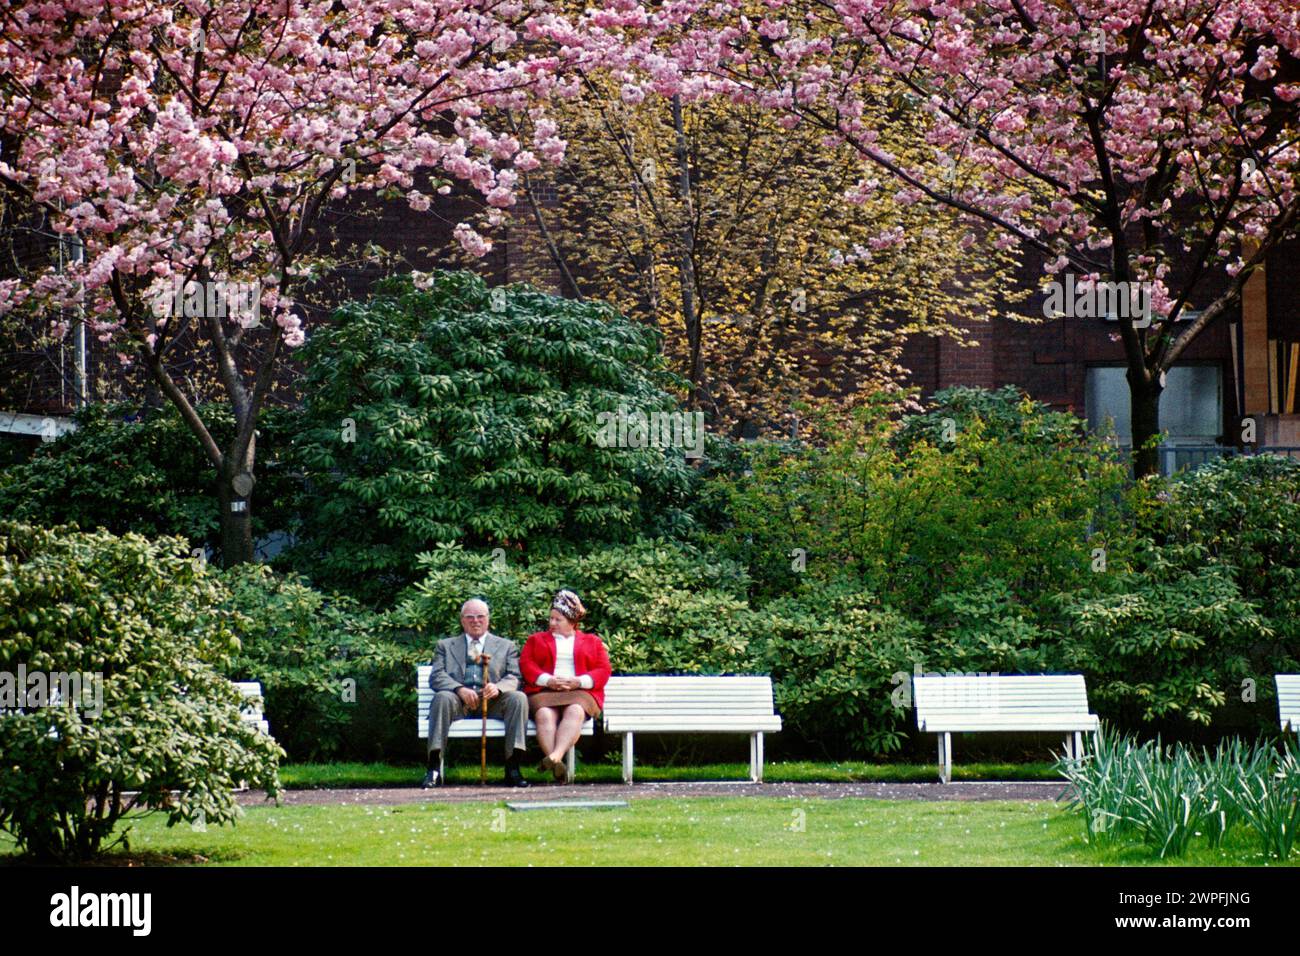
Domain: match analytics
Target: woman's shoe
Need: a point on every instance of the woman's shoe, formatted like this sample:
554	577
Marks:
546	765
559	770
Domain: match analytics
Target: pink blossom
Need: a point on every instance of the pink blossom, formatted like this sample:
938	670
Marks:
471	241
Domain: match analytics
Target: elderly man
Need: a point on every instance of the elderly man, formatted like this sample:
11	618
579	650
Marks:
459	689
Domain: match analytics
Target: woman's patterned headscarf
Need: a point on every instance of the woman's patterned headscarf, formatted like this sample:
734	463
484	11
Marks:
570	605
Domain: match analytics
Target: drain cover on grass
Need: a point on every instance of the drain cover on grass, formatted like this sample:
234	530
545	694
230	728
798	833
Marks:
566	804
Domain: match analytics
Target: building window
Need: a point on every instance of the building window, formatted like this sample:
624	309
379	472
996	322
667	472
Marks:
1191	405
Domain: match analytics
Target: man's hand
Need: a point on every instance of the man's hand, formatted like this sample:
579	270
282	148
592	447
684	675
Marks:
468	697
490	690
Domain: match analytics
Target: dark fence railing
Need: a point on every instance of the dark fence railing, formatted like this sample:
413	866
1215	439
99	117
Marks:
1176	458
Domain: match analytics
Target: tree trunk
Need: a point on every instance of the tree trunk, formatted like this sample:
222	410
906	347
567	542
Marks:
236	526
236	508
1144	416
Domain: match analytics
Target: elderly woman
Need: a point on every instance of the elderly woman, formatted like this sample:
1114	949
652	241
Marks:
565	671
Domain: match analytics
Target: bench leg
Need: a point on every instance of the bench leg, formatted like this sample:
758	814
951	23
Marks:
1069	747
1078	745
756	758
945	758
627	758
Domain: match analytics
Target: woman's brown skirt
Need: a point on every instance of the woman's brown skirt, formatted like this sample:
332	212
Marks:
563	698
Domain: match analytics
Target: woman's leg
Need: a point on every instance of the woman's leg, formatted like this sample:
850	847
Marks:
545	719
569	730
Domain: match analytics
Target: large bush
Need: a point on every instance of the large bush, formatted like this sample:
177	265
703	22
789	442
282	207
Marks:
1004	414
140	614
457	414
316	655
1195	628
1014	542
125	469
913	521
841	666
1241	514
1166	644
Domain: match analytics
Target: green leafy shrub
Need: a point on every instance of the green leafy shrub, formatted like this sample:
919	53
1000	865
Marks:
130	470
141	614
985	629
1166	643
311	652
1241	514
1004	414
913	521
455	414
840	665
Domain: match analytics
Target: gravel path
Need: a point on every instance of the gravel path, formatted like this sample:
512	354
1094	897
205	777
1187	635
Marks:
1049	790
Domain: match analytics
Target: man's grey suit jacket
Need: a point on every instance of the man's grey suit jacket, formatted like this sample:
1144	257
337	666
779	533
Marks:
449	663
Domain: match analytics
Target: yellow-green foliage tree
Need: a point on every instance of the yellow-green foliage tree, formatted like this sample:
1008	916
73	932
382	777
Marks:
776	271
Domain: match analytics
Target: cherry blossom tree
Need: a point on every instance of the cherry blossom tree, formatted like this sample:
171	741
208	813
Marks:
1149	143
188	150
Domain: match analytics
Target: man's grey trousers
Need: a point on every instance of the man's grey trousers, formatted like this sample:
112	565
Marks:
509	706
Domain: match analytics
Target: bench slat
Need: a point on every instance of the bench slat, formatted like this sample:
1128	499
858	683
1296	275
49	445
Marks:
770	725
473	727
251	712
1288	701
1068	722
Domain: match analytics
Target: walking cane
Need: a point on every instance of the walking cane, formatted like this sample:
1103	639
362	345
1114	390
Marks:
482	750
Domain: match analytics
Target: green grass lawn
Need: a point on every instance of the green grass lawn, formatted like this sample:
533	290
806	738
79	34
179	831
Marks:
312	775
698	831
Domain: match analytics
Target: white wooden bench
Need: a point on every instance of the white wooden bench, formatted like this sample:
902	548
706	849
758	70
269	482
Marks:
691	705
1288	701
472	727
251	712
1007	704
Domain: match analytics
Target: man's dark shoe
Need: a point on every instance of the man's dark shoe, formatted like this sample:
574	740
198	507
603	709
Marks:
431	779
515	777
